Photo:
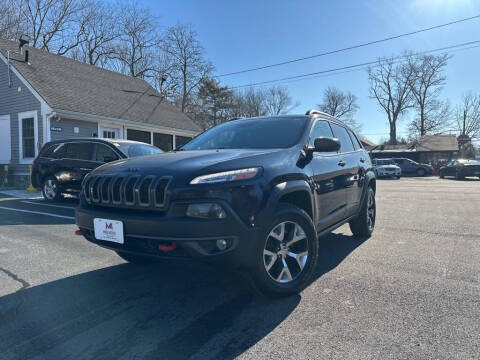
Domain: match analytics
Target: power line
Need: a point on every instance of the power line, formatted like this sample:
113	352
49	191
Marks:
349	47
361	65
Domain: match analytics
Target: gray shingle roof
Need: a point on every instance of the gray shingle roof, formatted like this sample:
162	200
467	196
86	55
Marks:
67	84
437	143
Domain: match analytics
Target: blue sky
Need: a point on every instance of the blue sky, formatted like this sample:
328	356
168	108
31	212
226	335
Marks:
244	34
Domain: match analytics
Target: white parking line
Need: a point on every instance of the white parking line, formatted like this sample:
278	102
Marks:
37	212
41	204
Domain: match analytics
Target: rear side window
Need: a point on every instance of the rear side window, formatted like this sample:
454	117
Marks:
342	135
104	153
48	150
321	128
356	144
79	151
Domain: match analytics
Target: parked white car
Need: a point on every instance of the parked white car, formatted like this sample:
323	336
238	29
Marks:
386	168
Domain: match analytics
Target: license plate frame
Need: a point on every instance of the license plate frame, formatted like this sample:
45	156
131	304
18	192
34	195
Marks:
108	230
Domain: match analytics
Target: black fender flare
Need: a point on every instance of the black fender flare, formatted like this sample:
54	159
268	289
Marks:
369	181
284	188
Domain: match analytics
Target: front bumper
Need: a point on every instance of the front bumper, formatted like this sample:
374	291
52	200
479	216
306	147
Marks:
388	173
144	231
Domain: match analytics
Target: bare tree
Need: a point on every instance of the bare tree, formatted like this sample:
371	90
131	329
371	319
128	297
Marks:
338	103
97	33
278	101
187	64
437	117
425	85
342	105
390	86
137	43
10	19
53	25
468	115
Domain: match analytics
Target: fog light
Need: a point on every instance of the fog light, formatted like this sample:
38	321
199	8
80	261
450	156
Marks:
206	211
221	244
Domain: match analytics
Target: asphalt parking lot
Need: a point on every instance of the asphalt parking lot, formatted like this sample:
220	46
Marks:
411	291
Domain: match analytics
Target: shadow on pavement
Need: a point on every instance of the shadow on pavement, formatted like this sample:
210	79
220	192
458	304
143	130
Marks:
164	311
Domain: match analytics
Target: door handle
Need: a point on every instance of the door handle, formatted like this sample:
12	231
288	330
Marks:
341	163
362	159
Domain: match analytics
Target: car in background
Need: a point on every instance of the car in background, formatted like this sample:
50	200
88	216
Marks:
386	168
461	168
411	167
61	165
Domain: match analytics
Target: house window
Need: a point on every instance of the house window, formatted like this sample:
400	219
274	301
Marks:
138	135
27	131
108	134
181	140
28	137
163	141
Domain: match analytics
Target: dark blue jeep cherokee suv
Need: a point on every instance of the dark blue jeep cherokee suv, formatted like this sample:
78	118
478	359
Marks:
252	193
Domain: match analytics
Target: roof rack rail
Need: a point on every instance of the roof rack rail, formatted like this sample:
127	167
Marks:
316	112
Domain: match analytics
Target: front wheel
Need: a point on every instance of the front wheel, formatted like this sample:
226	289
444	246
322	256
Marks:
287	253
421	172
50	190
442	175
362	226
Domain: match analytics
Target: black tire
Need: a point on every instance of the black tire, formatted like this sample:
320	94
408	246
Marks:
136	259
50	189
442	176
263	278
363	225
459	176
421	172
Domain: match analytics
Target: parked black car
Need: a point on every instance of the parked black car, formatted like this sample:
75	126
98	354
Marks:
460	169
252	193
411	167
61	165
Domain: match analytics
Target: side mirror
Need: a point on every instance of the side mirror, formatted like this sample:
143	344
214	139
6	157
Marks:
326	144
108	159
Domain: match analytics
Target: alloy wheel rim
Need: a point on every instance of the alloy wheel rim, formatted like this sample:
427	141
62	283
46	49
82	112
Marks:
50	189
286	252
371	212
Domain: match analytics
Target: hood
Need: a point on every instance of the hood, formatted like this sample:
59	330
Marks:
189	162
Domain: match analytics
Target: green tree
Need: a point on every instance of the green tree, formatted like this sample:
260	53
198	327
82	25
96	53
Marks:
215	101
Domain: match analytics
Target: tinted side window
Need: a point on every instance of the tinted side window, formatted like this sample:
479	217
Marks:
356	144
342	135
58	152
79	151
321	128
103	151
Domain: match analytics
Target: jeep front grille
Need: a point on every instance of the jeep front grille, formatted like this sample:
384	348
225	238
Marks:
146	192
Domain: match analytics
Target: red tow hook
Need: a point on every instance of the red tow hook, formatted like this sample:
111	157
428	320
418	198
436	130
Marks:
80	232
167	248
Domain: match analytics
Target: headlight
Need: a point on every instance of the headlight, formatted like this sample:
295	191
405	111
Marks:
226	176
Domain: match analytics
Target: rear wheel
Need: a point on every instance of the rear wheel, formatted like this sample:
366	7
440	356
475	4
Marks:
287	255
364	223
421	172
136	259
50	190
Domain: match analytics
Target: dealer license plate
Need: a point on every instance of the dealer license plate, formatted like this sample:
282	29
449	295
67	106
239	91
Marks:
108	230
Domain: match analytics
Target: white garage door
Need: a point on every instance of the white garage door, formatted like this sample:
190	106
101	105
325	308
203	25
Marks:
5	150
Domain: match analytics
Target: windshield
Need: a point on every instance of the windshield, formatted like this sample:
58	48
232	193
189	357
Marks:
260	133
385	162
136	149
469	162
